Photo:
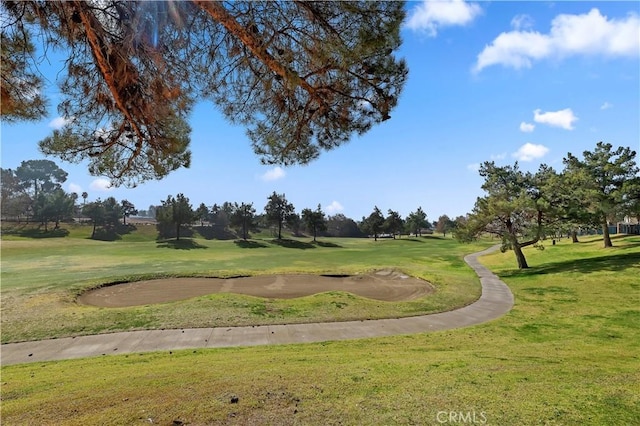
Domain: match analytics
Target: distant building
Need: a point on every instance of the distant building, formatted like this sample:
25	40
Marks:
629	225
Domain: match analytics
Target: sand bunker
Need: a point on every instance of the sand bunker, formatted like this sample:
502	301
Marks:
382	285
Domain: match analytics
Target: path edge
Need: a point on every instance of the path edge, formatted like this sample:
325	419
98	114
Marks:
495	301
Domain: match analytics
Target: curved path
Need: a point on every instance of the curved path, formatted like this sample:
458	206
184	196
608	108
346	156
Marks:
495	301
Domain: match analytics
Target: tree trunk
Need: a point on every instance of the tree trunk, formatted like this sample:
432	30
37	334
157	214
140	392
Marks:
177	232
93	233
522	261
517	247
279	230
574	236
605	234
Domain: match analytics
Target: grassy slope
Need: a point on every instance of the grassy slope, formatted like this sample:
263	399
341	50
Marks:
41	278
566	354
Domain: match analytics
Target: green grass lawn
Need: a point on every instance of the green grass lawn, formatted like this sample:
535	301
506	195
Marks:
567	354
41	278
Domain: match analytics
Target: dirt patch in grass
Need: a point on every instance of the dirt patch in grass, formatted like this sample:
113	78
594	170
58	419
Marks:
386	285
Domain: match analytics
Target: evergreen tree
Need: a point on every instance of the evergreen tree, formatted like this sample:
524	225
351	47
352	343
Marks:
242	218
516	208
314	220
278	210
603	179
302	77
373	224
416	221
128	209
174	212
393	224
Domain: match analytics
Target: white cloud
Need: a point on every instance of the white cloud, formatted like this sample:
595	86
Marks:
431	15
474	167
334	207
530	151
606	105
520	22
498	156
570	35
73	187
527	127
59	122
563	118
100	184
273	174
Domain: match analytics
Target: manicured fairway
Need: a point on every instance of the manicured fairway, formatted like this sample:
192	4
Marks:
41	279
568	353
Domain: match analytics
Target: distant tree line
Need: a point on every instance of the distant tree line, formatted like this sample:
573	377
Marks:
33	193
521	208
176	216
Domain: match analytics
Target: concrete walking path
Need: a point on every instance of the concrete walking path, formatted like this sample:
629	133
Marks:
495	301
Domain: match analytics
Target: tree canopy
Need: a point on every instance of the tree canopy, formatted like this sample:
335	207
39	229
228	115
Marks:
96	212
444	224
524	207
513	208
393	223
278	211
604	180
40	176
373	224
53	206
314	220
128	209
174	212
243	218
302	77
416	221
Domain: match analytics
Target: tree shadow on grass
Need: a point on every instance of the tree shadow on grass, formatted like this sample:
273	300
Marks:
630	240
287	243
325	244
184	244
37	233
410	240
113	233
432	237
615	263
214	233
249	244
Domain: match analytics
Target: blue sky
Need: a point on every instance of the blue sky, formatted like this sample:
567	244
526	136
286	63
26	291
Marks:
501	81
